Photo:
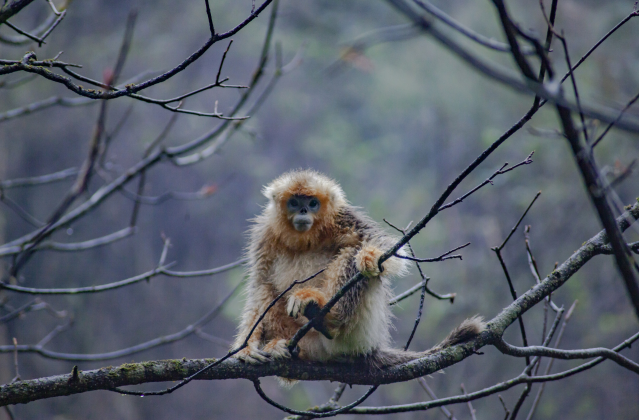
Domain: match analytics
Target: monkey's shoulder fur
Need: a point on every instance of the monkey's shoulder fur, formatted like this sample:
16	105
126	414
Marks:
342	241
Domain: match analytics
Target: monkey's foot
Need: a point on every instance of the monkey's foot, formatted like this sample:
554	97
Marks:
253	355
366	261
299	299
277	349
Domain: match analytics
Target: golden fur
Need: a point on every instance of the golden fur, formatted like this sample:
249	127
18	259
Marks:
341	240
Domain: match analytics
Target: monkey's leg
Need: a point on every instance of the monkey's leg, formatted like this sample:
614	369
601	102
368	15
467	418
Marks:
277	349
251	353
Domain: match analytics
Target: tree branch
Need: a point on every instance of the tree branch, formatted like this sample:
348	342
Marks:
173	370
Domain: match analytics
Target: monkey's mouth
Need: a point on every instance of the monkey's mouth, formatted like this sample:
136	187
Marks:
302	226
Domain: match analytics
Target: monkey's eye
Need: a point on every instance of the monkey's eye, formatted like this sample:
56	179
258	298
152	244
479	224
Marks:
293	203
314	204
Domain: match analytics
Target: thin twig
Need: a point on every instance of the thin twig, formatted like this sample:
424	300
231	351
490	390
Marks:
210	18
449	415
470	405
478	38
156	342
513	292
443	257
15	361
551	361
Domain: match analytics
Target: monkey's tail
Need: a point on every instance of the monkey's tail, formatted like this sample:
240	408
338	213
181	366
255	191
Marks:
467	330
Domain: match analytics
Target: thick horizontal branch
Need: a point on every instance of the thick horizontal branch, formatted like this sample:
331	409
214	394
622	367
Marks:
176	369
173	370
502	386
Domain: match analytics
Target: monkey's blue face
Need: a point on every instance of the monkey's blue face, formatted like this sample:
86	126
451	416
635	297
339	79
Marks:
301	211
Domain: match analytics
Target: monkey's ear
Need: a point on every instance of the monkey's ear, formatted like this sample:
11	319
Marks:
268	192
336	195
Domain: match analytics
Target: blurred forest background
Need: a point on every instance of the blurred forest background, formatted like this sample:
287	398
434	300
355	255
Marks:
393	123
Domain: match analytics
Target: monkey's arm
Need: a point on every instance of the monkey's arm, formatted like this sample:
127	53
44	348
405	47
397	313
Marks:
346	265
307	301
362	259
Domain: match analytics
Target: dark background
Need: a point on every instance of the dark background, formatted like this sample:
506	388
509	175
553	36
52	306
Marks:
394	126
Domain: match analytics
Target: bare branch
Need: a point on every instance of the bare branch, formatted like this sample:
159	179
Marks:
172	370
398	298
59	101
39	180
611	124
40	68
500	171
35	305
231	353
550	363
530	85
156	342
431	394
12	7
202	273
470	405
260	392
160	270
511	287
445	256
22	213
478	38
208	15
77	246
567	354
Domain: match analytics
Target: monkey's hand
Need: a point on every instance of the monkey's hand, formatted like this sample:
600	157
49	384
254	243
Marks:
251	354
308	302
366	261
299	299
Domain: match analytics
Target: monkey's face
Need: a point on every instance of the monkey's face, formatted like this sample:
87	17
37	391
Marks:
302	209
